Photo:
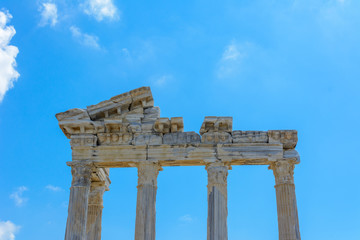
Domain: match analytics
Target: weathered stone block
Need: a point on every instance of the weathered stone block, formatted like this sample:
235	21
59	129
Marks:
177	124
88	140
250	137
134	128
162	125
287	137
114	138
141	98
216	137
152	112
181	138
216	124
147	139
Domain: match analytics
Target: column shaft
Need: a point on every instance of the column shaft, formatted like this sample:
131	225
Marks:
95	207
78	202
288	221
146	201
217	202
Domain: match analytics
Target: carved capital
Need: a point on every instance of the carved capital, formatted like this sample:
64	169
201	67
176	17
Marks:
97	190
147	173
217	177
81	173
283	172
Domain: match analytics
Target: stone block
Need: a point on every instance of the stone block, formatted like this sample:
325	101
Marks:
147	139
152	113
181	138
87	140
288	138
114	138
177	124
250	137
216	137
216	124
162	125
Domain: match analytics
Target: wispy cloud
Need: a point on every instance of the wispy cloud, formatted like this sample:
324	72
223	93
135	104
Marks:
231	59
187	218
8	53
101	9
17	196
49	14
8	230
53	188
162	81
84	38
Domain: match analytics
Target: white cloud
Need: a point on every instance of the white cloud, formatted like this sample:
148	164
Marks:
85	39
53	188
187	218
8	53
101	9
8	230
230	63
49	14
17	196
162	80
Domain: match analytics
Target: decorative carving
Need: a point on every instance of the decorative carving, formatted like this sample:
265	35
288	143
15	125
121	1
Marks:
162	125
81	173
216	137
147	139
217	177
287	137
181	138
216	124
177	124
147	173
72	114
114	138
283	172
141	98
83	140
250	137
110	108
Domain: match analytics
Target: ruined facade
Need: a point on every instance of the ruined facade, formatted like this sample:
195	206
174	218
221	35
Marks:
127	131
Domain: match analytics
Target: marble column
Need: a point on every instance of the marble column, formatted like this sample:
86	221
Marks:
217	202
288	221
78	202
95	207
146	199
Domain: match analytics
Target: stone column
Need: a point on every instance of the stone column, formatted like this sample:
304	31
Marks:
217	202
288	222
146	198
95	206
78	202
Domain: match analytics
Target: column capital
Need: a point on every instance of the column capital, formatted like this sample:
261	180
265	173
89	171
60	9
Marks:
283	171
81	172
217	177
147	173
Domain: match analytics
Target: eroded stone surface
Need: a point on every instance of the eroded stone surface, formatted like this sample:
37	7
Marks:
127	131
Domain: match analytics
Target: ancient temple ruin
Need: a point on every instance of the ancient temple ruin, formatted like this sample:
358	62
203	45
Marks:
127	131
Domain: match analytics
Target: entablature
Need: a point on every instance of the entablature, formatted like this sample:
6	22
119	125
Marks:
127	129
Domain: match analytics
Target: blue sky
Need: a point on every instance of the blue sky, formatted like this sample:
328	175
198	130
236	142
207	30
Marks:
269	64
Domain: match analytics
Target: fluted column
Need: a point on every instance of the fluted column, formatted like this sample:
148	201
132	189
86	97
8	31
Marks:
78	202
146	199
288	221
95	207
217	202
